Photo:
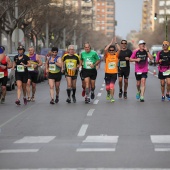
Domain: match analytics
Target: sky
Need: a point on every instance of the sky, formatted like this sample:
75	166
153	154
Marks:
128	16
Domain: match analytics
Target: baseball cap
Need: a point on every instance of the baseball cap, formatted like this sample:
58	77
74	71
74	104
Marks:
20	47
2	49
141	42
166	43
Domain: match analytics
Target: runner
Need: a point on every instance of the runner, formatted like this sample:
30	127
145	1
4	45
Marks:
163	59
4	65
124	68
53	68
111	68
70	65
89	60
21	63
36	62
140	57
2	55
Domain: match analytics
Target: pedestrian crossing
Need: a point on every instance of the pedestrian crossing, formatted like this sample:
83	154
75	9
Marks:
102	143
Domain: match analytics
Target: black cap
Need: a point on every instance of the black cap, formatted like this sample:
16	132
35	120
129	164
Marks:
54	49
21	47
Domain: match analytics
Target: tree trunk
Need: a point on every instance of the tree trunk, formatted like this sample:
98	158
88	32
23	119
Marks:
9	42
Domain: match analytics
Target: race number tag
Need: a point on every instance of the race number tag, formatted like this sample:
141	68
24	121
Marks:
166	73
31	68
112	65
139	73
122	63
1	75
20	68
52	67
88	63
70	65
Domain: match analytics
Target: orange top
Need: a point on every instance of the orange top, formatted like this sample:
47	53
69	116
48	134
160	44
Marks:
111	65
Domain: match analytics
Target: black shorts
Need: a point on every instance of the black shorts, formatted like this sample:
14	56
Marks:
91	73
161	76
72	77
21	76
33	76
124	72
3	81
55	76
110	78
140	76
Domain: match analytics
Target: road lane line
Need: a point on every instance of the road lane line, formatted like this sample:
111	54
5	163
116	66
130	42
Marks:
160	138
99	94
102	89
96	102
35	139
96	150
102	139
90	112
103	85
83	129
19	150
162	149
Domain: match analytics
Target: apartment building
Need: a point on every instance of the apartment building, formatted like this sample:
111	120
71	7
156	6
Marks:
105	17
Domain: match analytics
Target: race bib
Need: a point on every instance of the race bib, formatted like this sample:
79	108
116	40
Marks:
20	68
139	73
88	63
1	75
31	68
166	73
112	65
70	65
52	67
122	63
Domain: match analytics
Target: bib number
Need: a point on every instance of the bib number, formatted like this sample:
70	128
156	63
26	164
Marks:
122	63
166	73
52	67
112	65
31	68
88	63
20	68
70	65
1	75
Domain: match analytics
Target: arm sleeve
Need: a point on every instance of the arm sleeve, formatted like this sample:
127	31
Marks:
158	56
133	56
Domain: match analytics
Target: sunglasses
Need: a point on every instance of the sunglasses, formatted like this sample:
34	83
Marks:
54	52
164	44
123	43
111	50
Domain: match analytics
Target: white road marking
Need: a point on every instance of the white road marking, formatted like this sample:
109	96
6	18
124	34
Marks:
96	102
19	150
35	139
96	150
92	169
102	89
99	94
103	85
160	138
83	129
162	149
102	139
90	112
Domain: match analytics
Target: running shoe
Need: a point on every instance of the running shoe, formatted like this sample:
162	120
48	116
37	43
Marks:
52	101
108	97
168	96
87	100
2	100
120	94
33	99
125	95
163	98
83	93
142	99
74	99
92	95
25	100
28	99
138	95
17	102
112	99
68	100
56	99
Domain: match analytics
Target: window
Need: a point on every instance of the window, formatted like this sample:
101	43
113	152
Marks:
102	28
161	11
161	3
168	11
110	15
168	3
110	28
102	10
161	20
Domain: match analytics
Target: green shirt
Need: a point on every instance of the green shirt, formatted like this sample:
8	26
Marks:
89	58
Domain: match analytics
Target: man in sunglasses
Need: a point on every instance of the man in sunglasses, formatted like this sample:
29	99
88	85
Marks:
140	57
111	68
163	59
124	68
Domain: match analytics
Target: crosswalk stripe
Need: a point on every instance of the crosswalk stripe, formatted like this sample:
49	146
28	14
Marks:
96	150
90	112
83	130
19	150
102	139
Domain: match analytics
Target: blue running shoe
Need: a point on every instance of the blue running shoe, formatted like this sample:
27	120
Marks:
163	98
138	95
168	97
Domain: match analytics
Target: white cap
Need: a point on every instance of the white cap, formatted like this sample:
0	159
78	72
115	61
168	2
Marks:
141	42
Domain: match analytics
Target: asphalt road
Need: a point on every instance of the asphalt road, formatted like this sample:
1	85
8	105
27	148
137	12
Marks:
126	134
